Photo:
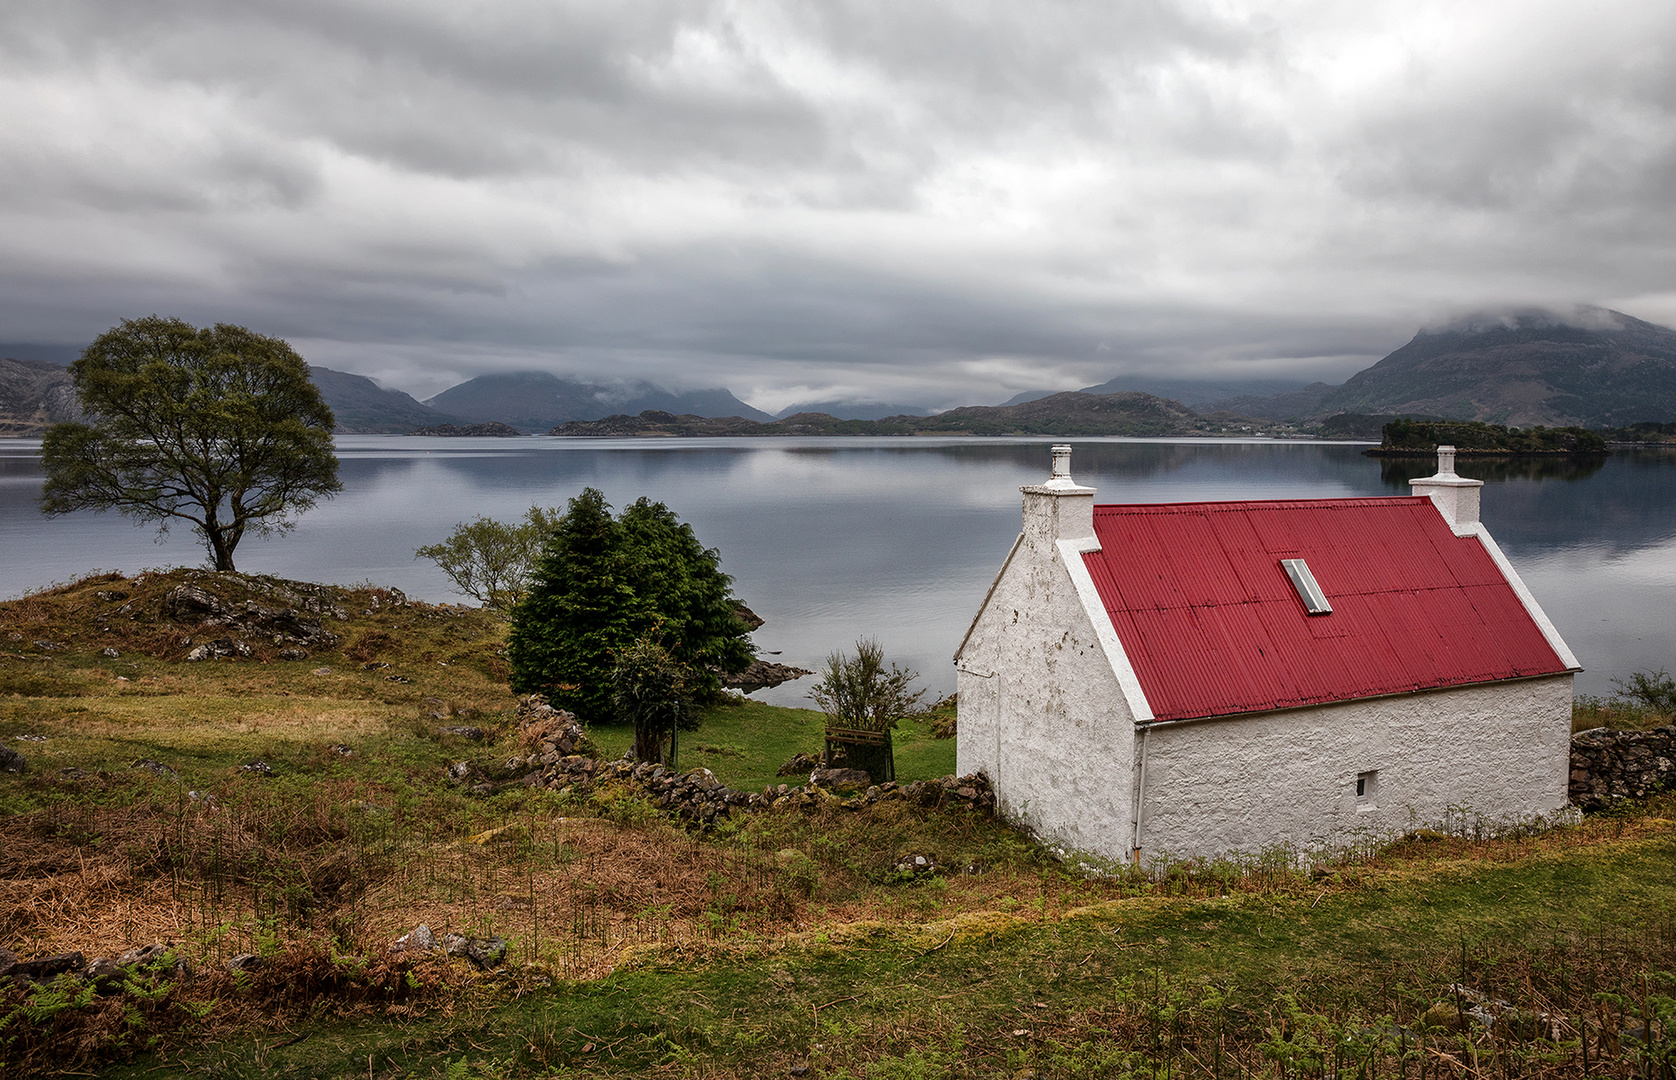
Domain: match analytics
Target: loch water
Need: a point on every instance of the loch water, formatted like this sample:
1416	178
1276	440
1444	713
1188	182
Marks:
831	539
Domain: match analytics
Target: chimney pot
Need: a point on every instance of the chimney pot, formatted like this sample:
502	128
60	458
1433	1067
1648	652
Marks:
1060	509
1455	497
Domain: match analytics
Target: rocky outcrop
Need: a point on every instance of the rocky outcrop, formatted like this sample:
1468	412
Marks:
763	673
801	764
292	617
34	394
1609	765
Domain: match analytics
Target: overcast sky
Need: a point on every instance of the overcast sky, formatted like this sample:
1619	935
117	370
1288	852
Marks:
937	202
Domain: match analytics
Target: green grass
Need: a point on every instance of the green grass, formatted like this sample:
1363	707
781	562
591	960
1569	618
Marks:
745	744
1159	984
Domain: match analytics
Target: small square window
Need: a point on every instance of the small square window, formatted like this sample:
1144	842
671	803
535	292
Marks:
1367	787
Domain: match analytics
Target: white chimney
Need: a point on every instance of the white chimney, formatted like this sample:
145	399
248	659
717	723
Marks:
1060	509
1455	497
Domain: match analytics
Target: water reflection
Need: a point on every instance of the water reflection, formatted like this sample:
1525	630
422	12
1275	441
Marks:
831	539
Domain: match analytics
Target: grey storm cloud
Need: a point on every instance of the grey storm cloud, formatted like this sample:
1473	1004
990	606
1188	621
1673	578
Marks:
937	202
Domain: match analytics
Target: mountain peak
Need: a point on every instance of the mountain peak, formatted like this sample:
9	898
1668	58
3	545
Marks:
1570	316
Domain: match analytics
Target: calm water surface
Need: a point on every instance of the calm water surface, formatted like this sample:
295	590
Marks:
830	539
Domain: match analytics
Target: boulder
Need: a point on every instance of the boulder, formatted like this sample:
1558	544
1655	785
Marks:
841	780
800	765
220	647
419	939
483	952
105	975
11	761
45	967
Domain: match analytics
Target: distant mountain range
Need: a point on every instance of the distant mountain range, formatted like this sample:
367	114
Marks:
852	410
361	405
1070	413
1198	393
1589	366
537	401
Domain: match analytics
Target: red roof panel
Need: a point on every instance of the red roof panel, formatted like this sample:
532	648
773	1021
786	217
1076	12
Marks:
1213	626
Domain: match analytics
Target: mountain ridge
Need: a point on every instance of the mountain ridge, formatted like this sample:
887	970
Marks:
539	400
1066	414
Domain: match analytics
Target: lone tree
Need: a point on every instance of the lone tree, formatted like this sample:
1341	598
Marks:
491	561
605	582
220	427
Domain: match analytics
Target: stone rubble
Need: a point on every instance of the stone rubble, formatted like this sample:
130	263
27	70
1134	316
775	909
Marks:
548	733
485	953
105	974
698	798
1609	765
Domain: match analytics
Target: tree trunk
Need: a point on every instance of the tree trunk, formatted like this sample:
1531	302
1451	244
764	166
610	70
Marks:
220	550
648	742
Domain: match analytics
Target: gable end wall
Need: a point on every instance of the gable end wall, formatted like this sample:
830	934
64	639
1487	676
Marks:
1042	712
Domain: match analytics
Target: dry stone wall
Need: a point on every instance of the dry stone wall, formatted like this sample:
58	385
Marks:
1608	765
562	759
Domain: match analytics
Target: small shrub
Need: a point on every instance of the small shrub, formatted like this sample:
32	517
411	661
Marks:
370	646
858	692
1656	690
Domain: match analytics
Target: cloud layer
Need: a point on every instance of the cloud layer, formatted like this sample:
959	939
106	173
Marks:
941	202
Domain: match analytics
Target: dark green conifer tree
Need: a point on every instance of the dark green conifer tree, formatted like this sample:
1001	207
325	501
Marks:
603	582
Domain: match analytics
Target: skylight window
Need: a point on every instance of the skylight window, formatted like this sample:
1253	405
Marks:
1315	601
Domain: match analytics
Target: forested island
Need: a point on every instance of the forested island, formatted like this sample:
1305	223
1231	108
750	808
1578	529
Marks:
1420	438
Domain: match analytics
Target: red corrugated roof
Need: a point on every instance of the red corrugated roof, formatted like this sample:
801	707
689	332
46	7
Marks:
1213	626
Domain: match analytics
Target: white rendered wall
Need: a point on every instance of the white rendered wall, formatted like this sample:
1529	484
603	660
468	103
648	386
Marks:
1040	709
1502	751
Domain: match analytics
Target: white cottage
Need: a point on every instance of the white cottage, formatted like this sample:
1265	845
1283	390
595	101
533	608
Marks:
1194	679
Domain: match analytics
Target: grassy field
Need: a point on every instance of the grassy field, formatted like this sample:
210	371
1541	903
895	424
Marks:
778	941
